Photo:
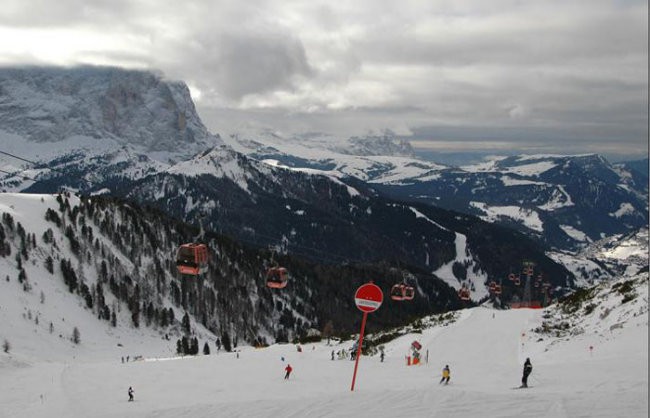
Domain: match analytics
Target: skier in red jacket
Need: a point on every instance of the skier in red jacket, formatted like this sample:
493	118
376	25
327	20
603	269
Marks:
288	369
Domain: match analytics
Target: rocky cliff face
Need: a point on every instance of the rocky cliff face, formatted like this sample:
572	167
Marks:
139	108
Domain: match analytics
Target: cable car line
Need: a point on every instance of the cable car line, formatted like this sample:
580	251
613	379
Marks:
17	157
29	161
14	174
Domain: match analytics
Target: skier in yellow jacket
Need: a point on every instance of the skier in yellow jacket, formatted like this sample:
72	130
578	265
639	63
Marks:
445	375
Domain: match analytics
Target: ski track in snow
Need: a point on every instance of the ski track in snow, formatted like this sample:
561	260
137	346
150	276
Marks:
484	348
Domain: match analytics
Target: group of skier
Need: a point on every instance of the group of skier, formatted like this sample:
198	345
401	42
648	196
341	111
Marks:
446	375
528	368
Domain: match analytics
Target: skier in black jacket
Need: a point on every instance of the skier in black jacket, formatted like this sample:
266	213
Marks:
528	368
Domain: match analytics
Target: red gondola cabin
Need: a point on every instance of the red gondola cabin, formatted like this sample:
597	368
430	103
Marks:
277	277
492	287
397	292
409	292
192	259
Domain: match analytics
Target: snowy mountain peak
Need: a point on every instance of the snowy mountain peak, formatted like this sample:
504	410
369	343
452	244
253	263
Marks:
140	108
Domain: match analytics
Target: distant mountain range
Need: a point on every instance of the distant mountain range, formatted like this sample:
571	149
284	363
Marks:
562	201
363	199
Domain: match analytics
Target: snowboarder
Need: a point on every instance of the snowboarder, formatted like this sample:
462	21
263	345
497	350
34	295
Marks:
528	368
445	375
130	394
288	369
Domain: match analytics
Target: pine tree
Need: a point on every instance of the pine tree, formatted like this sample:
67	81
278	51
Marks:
23	248
22	276
134	306
328	329
225	340
162	321
187	328
49	264
185	345
74	242
76	335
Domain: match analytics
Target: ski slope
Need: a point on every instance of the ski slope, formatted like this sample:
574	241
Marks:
485	350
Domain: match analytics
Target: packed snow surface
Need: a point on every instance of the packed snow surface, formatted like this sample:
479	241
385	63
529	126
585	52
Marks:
485	350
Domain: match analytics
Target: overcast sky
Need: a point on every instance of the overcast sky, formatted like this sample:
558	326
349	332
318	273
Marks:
559	76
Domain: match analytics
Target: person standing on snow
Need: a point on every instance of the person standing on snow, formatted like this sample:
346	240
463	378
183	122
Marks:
288	369
528	368
445	375
130	394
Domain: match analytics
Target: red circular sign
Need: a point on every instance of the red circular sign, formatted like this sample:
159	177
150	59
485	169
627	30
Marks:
368	297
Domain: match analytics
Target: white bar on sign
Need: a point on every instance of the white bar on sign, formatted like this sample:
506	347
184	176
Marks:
366	302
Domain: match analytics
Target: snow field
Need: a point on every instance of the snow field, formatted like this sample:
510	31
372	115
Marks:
485	354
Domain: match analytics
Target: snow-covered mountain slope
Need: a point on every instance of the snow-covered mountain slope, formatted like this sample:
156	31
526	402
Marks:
39	308
383	158
564	201
98	263
607	258
485	350
596	314
309	212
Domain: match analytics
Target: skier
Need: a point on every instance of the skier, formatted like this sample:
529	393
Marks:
528	368
381	357
332	354
445	375
288	369
130	394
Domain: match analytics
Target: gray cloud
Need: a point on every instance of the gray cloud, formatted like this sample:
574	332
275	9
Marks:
62	13
532	73
237	64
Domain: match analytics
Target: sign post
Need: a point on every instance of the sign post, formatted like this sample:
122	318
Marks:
368	298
